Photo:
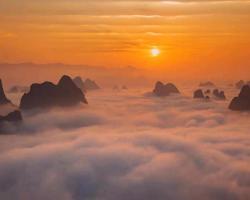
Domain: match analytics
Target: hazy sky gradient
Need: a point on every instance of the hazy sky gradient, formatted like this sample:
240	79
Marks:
194	36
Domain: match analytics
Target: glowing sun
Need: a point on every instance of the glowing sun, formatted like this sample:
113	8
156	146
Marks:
155	52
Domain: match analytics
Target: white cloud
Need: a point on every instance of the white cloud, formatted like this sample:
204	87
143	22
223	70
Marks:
128	146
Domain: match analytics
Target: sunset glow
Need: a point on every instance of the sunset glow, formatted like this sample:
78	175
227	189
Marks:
124	100
155	52
199	36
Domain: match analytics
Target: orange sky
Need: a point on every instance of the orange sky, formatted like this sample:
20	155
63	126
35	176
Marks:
196	36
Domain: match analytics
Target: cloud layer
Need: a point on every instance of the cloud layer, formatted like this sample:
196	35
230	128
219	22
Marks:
129	146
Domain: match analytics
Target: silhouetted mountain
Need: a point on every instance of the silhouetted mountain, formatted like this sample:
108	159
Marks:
206	84
240	84
17	89
90	85
207	91
47	94
3	98
165	90
198	94
80	84
242	102
124	87
219	94
14	116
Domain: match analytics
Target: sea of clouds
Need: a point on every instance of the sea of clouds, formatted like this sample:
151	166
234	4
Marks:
129	145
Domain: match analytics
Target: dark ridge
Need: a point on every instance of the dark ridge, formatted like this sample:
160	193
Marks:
47	95
14	116
3	98
206	84
219	94
91	85
198	94
207	91
124	87
162	90
240	84
242	102
17	89
80	84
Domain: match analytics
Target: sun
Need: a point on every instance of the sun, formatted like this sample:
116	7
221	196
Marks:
155	52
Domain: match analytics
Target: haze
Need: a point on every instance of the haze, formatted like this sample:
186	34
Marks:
208	38
124	100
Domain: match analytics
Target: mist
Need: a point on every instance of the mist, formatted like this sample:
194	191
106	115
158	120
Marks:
129	145
107	77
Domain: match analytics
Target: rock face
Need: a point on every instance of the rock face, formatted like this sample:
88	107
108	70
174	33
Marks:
198	94
207	84
165	90
91	85
80	84
240	84
207	91
242	102
124	87
219	94
86	85
47	95
14	116
3	98
17	89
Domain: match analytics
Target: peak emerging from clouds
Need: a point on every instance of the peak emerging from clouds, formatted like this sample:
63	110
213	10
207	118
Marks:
128	146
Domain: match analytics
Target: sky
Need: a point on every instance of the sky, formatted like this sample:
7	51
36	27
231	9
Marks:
126	144
195	37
